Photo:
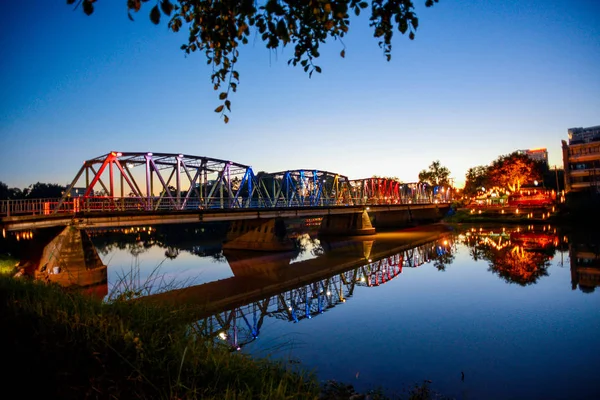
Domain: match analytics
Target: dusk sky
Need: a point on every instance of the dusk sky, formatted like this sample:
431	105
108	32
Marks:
482	78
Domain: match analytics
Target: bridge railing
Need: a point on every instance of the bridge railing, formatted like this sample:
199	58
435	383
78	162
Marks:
138	204
17	207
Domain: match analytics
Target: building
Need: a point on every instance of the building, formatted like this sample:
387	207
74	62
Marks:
536	154
77	191
585	266
581	159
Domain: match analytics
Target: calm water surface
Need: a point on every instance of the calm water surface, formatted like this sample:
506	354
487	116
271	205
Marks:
514	309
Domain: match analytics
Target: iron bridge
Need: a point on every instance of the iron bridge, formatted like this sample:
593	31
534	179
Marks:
150	182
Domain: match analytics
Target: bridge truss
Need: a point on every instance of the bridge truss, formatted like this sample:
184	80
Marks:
153	181
389	191
163	181
300	187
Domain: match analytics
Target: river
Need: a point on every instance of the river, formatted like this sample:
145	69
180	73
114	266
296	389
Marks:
482	312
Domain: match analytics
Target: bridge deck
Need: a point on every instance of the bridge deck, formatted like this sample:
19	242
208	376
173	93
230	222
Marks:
133	218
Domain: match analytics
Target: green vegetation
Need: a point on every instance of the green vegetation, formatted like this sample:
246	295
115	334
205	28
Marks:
7	265
498	214
435	175
61	344
70	346
35	191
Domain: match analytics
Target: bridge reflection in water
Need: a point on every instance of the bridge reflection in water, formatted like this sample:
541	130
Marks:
240	325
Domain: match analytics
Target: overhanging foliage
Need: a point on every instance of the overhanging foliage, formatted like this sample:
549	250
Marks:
217	28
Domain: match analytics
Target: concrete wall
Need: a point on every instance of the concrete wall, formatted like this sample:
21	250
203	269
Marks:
411	216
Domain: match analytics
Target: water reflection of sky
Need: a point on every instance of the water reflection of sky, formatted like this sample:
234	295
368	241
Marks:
310	248
151	267
535	339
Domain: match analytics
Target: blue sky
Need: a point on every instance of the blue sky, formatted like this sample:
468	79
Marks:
482	78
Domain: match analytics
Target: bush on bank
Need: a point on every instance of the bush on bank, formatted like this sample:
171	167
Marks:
7	264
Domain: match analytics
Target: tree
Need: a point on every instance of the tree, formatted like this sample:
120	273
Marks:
513	170
4	191
437	175
476	178
43	190
217	28
7	193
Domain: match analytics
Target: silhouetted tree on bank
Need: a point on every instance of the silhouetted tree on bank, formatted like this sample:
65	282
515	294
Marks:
476	178
7	193
436	175
43	190
4	191
35	191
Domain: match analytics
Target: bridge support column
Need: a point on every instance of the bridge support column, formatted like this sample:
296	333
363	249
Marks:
393	219
413	214
347	224
70	259
262	234
429	214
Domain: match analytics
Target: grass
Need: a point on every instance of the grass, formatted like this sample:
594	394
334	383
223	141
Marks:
7	265
60	344
69	346
524	216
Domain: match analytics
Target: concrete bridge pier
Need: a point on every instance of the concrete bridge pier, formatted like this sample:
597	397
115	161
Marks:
268	234
428	214
393	219
70	259
347	224
413	214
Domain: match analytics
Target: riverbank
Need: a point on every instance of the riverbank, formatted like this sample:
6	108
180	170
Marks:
69	346
579	209
62	344
509	215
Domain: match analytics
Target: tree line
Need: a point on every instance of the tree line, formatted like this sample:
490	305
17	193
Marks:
35	191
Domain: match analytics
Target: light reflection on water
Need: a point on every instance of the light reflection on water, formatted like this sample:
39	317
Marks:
511	308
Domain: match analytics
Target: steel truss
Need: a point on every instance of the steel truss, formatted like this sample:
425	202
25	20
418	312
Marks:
154	181
388	191
163	181
242	325
300	187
